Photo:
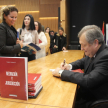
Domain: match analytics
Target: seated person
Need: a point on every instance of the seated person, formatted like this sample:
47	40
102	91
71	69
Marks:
94	81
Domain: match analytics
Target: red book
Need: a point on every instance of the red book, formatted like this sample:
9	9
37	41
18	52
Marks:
33	89
33	79
78	70
34	93
0	88
40	41
13	77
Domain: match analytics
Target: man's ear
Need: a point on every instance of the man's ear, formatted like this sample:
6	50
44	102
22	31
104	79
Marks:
96	42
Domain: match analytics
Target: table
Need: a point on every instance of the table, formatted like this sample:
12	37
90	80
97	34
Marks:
55	93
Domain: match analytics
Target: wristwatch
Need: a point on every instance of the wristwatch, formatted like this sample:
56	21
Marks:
60	72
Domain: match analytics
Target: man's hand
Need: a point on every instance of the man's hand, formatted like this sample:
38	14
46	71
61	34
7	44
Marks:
56	72
63	48
65	67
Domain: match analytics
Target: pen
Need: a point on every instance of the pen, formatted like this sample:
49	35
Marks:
64	62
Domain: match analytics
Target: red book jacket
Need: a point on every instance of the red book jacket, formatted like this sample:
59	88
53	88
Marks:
0	88
35	92
13	77
78	70
33	79
33	89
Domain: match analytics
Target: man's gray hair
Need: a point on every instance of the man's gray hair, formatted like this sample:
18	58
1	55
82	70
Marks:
92	32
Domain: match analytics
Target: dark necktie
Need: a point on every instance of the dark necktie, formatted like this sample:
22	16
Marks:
91	60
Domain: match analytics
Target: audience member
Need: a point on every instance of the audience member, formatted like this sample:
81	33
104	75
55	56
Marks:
9	44
60	41
52	41
47	30
47	47
42	40
28	34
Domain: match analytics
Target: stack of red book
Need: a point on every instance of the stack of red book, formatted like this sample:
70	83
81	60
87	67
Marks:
0	89
34	85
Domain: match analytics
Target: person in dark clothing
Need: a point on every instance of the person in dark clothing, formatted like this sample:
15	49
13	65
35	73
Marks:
52	40
60	41
94	81
9	44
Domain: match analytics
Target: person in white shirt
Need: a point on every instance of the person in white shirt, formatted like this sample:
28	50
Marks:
28	34
42	40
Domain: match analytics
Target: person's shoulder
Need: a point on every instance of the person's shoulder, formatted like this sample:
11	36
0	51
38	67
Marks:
57	34
19	29
106	49
34	32
104	52
47	34
64	34
42	33
2	25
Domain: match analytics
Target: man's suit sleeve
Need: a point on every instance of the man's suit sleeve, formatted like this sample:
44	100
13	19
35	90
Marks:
3	47
97	77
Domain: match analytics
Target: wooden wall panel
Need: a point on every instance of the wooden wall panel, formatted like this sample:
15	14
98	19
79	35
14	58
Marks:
4	3
27	5
62	10
46	8
62	13
50	1
49	10
7	2
51	23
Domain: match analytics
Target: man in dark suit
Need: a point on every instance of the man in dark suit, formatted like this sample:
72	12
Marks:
94	81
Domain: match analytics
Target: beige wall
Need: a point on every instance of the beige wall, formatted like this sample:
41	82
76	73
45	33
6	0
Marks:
45	11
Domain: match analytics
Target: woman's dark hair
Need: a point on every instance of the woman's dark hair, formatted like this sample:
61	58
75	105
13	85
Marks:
60	28
39	27
32	26
6	10
46	28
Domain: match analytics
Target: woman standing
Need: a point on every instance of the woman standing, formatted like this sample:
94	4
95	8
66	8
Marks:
47	30
9	45
42	40
28	34
60	41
